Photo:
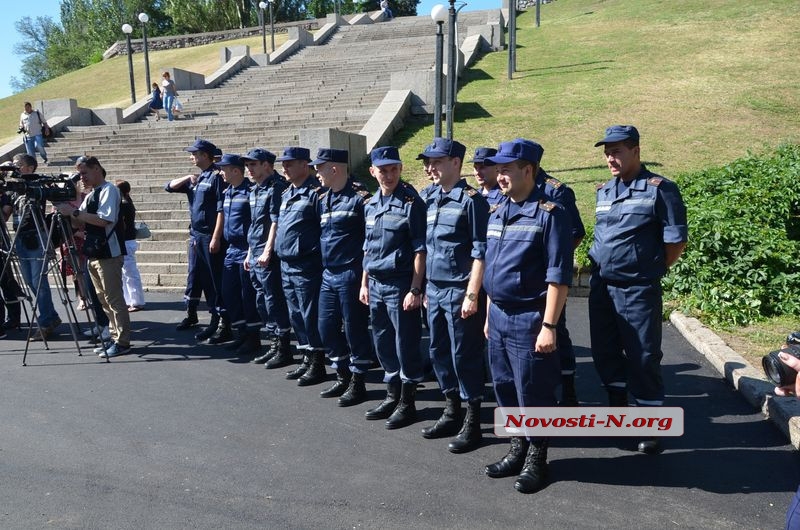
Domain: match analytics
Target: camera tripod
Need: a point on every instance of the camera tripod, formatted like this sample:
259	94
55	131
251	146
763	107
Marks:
50	264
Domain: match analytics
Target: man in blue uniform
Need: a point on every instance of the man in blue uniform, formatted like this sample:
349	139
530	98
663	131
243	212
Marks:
640	231
394	271
529	263
237	289
486	175
206	252
263	265
457	215
557	191
297	244
342	240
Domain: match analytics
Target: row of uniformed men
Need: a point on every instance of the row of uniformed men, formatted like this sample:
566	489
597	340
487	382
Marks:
302	256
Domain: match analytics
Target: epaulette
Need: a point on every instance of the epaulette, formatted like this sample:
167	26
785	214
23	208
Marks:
655	181
599	185
547	206
361	190
409	196
554	182
493	208
471	192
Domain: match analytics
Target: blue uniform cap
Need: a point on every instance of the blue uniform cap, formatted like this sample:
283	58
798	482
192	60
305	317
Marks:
442	147
260	154
231	160
619	133
517	149
330	155
482	153
295	153
385	156
202	145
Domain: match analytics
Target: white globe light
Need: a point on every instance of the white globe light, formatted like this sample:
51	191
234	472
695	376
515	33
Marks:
143	18
439	13
127	29
262	5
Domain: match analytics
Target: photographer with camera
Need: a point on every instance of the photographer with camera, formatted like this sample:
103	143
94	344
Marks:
788	386
32	125
104	247
30	248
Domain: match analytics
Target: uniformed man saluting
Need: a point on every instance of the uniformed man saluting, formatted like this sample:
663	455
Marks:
529	265
640	232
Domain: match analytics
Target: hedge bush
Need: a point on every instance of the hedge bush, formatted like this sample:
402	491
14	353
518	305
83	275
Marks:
742	262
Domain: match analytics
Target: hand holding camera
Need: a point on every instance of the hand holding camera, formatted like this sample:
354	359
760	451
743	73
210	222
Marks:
782	366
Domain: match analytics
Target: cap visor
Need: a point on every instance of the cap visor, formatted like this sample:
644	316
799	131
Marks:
500	159
318	162
385	162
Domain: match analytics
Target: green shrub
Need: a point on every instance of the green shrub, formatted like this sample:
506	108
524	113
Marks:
742	262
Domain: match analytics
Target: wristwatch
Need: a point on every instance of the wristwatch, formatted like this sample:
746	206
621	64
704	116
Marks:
416	291
548	325
472	297
76	213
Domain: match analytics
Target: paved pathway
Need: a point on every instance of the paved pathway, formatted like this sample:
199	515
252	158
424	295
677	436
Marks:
184	436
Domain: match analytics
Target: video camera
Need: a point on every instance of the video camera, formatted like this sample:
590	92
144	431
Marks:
53	188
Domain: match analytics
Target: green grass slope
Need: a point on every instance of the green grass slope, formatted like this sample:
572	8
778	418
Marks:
704	82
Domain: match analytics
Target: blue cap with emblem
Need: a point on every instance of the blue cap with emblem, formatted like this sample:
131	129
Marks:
330	155
482	153
229	159
260	154
202	145
441	147
517	149
295	153
619	133
384	156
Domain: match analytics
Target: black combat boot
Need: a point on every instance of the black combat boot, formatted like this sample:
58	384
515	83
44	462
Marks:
448	422
209	329
223	333
298	372
272	351
568	396
513	462
283	356
251	345
189	321
356	392
389	403
469	437
406	411
316	370
534	475
343	377
239	339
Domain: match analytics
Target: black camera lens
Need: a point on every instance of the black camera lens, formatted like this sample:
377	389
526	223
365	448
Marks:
776	371
793	338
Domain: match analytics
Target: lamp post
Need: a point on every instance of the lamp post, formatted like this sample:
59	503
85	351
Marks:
512	38
451	65
271	25
127	29
261	7
144	19
439	15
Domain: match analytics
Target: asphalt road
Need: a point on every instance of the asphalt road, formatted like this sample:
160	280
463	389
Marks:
177	435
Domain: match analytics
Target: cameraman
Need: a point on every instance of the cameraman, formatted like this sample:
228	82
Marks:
104	246
9	288
793	513
30	249
32	124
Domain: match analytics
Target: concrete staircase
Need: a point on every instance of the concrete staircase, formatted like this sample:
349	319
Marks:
337	85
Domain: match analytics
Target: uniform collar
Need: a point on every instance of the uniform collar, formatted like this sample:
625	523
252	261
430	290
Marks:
456	193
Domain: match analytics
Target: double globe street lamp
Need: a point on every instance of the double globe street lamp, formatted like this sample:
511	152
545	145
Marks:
263	5
144	19
439	15
127	29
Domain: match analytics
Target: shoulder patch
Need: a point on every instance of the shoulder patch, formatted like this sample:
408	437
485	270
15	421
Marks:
655	181
547	206
554	182
471	192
